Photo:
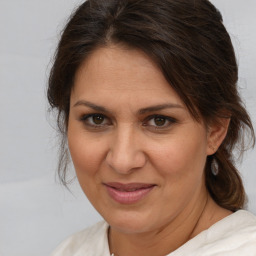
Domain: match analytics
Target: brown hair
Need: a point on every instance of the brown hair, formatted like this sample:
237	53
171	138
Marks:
189	43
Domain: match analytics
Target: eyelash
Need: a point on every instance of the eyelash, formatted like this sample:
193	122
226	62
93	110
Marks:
85	119
169	120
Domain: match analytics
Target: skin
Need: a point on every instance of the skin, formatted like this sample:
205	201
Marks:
126	144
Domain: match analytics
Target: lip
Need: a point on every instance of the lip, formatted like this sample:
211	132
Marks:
128	193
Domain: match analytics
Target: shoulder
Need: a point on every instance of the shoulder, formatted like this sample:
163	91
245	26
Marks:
235	223
234	235
92	241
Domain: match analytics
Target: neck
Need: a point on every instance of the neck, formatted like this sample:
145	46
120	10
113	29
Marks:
167	239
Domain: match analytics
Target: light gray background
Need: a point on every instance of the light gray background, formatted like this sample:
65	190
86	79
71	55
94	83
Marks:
35	212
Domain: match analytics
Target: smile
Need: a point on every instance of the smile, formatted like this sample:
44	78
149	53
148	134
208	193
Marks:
128	193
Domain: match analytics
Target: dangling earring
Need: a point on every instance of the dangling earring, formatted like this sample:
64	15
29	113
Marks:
214	167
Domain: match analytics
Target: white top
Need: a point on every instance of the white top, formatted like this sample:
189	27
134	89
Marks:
234	235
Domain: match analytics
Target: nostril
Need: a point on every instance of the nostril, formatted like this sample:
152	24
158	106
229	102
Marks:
125	162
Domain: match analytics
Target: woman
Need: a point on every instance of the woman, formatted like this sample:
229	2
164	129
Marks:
148	106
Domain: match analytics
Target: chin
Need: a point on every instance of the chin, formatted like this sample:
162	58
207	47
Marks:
129	222
129	228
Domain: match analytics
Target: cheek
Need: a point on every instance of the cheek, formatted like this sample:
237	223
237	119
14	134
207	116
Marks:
180	163
180	157
86	154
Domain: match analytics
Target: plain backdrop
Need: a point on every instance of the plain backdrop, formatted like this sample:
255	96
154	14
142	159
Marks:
36	213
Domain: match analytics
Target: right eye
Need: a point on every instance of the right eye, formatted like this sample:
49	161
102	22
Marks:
95	120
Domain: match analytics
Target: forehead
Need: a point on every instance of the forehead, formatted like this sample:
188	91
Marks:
114	62
122	71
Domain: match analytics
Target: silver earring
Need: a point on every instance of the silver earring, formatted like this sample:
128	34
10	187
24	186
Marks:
214	167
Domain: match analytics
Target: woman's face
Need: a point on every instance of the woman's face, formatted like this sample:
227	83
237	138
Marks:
138	154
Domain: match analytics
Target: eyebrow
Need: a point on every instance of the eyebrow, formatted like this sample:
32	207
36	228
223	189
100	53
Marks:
141	111
90	105
158	107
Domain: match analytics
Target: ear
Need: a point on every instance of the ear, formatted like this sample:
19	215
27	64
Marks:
217	132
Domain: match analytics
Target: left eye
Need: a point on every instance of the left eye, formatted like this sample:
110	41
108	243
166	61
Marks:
159	121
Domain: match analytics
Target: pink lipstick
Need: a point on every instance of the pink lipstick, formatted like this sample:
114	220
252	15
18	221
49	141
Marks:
128	193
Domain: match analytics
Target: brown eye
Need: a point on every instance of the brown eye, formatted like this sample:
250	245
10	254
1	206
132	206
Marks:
98	119
160	121
95	120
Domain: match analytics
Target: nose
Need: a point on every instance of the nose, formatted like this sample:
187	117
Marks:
125	152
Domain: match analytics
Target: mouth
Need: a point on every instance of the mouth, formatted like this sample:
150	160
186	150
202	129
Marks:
128	193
